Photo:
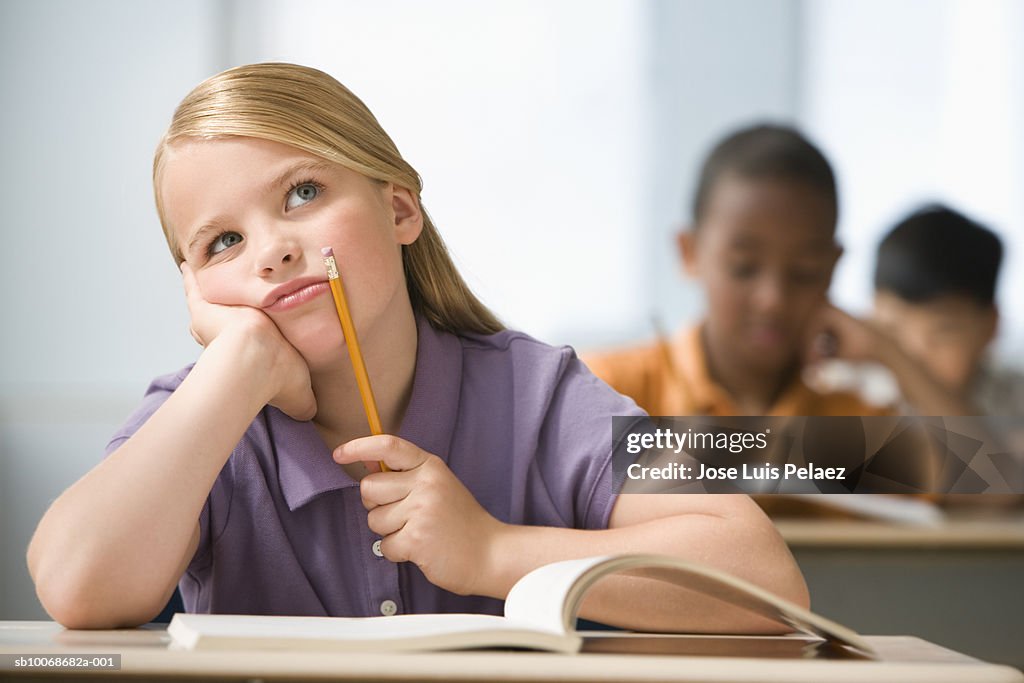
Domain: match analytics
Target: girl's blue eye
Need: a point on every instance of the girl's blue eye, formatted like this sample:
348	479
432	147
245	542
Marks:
302	194
223	241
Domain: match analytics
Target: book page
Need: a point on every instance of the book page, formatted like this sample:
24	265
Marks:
550	596
360	634
540	598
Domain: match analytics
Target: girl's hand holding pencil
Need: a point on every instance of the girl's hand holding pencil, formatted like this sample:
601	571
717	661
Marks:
286	371
424	514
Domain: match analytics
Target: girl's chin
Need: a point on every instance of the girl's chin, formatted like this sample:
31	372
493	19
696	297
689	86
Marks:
322	356
321	352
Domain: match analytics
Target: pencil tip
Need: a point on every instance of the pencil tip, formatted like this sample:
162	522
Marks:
327	251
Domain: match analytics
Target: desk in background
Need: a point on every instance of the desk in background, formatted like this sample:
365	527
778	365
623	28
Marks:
960	584
144	656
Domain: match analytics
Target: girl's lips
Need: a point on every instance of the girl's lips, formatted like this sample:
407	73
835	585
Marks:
299	297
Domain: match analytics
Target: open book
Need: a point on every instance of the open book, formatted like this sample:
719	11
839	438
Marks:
540	613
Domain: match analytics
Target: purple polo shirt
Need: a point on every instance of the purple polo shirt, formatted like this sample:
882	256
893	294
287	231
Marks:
525	427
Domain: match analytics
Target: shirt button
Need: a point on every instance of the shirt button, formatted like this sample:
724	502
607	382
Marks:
388	608
376	549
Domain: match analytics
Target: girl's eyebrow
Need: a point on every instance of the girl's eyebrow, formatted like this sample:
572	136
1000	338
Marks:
197	236
308	165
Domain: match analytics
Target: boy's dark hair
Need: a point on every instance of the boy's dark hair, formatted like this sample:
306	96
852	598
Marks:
766	151
935	252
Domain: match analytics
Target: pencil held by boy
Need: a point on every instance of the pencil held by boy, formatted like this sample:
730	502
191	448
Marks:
935	316
249	479
762	246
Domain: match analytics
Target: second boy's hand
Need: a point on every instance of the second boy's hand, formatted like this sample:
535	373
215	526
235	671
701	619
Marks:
836	334
857	340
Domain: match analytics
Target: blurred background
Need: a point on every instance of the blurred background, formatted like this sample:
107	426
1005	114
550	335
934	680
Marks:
558	141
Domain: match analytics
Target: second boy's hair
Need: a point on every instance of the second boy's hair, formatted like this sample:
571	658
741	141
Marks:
937	252
766	152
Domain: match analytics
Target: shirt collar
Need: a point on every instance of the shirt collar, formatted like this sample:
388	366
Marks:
706	397
305	466
709	398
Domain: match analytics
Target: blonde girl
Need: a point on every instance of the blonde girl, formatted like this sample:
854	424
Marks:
246	479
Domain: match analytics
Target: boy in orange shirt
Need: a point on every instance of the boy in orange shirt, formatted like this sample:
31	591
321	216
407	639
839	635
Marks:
762	244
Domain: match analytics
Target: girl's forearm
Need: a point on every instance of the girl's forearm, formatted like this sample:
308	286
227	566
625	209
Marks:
739	547
110	549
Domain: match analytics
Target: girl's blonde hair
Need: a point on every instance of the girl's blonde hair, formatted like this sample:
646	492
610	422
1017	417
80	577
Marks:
307	109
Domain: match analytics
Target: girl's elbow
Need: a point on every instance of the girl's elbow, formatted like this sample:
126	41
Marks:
794	588
782	574
74	610
76	602
67	606
789	582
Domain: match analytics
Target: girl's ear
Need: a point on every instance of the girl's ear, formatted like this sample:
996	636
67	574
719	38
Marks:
408	214
686	243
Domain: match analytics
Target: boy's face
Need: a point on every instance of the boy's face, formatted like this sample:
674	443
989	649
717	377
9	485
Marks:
764	252
251	216
948	334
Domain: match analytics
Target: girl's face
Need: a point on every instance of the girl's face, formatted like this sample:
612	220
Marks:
764	253
251	216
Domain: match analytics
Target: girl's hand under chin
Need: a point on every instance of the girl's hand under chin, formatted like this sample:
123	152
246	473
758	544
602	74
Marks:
281	365
424	514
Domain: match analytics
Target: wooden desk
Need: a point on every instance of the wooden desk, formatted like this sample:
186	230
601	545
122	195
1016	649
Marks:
145	656
958	533
958	584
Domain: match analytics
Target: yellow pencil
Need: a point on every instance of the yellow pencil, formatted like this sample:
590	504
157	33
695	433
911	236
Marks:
352	342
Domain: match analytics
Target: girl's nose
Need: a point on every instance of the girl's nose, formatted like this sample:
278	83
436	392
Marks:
277	251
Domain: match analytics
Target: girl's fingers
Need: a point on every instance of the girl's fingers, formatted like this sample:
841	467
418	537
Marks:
398	454
207	319
192	294
387	519
383	488
395	548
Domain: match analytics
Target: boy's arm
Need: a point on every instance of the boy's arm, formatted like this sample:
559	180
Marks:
855	339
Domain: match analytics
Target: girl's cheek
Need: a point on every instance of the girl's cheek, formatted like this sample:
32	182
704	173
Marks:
220	288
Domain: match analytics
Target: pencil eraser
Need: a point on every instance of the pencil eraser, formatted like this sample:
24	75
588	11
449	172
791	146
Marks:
327	251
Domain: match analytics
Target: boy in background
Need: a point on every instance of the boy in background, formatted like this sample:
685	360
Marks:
935	316
762	244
